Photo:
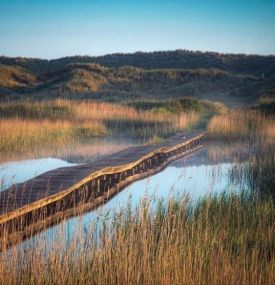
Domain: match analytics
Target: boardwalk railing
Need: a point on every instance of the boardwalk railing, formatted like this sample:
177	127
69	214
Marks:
39	203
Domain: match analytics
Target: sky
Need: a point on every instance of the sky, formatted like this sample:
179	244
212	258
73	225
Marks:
57	28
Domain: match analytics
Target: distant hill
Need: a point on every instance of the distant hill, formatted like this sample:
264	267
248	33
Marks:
114	77
15	77
181	59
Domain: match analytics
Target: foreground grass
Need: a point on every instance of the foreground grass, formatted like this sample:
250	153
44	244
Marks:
224	240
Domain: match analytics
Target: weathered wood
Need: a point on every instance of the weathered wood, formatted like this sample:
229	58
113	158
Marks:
63	188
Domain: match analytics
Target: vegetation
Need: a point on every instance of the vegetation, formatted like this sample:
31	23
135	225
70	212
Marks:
172	106
267	108
225	239
26	126
181	59
78	81
125	77
246	124
15	77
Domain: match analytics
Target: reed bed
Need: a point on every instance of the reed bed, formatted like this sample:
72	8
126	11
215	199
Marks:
253	132
25	126
76	151
242	124
228	239
225	239
19	134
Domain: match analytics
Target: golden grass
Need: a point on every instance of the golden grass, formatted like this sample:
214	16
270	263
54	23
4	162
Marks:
225	240
77	152
19	134
221	240
105	111
247	124
15	76
27	126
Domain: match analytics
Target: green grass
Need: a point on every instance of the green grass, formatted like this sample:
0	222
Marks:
171	106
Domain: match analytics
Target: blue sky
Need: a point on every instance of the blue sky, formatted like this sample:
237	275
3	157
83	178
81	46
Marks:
55	28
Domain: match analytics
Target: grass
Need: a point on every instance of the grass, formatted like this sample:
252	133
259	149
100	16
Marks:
26	125
171	106
267	107
242	124
256	131
225	239
20	135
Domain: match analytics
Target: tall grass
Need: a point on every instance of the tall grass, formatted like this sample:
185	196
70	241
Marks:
242	124
256	130
19	134
224	240
25	126
227	239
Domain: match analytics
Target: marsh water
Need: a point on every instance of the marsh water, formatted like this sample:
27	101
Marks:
22	167
204	173
21	171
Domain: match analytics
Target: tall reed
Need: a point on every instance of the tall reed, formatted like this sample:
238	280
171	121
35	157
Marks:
222	240
242	124
27	126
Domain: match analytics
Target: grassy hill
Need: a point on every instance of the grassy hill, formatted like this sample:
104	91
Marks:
158	75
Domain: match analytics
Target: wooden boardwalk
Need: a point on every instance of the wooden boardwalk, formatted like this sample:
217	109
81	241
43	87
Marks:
64	188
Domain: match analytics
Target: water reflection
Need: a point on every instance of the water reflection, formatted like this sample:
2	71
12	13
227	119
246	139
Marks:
76	152
183	177
20	171
23	168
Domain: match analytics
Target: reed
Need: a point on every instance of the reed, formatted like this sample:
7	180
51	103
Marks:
20	134
222	240
242	124
25	126
225	239
255	132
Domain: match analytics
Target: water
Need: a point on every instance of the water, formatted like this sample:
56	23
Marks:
195	177
21	171
27	167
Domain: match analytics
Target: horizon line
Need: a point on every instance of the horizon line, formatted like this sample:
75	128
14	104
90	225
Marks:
141	52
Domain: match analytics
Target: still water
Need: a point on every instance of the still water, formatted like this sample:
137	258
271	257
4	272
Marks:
25	167
21	171
194	176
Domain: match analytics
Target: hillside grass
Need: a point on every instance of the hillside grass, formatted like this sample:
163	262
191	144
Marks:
16	77
86	79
